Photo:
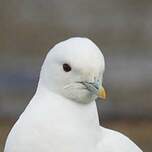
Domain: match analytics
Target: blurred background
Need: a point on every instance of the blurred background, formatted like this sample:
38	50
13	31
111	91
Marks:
122	28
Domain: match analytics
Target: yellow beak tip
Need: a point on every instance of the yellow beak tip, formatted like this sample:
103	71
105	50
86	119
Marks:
102	93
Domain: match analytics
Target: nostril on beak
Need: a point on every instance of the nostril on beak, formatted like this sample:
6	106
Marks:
97	82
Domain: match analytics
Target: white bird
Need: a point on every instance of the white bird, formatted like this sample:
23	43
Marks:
62	115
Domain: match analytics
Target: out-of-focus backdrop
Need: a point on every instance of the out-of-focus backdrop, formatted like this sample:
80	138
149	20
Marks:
122	28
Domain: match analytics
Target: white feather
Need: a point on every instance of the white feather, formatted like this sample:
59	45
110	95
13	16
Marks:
62	115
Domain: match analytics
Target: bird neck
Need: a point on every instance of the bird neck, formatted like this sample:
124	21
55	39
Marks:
68	112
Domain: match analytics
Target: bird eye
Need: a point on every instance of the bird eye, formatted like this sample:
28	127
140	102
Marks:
66	67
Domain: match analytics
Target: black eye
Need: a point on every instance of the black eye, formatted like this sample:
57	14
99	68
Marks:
66	67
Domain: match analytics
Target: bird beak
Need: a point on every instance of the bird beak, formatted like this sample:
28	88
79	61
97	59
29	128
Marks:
96	88
102	93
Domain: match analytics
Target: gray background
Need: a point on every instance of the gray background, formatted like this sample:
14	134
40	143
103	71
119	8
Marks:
122	28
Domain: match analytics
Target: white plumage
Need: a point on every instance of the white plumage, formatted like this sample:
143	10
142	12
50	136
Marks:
62	115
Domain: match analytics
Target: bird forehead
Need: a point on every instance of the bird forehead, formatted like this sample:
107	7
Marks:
84	62
77	46
79	52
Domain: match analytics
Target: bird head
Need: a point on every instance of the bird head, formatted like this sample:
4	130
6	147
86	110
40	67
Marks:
74	69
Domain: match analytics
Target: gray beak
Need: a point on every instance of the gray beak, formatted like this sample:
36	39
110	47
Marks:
92	87
95	88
